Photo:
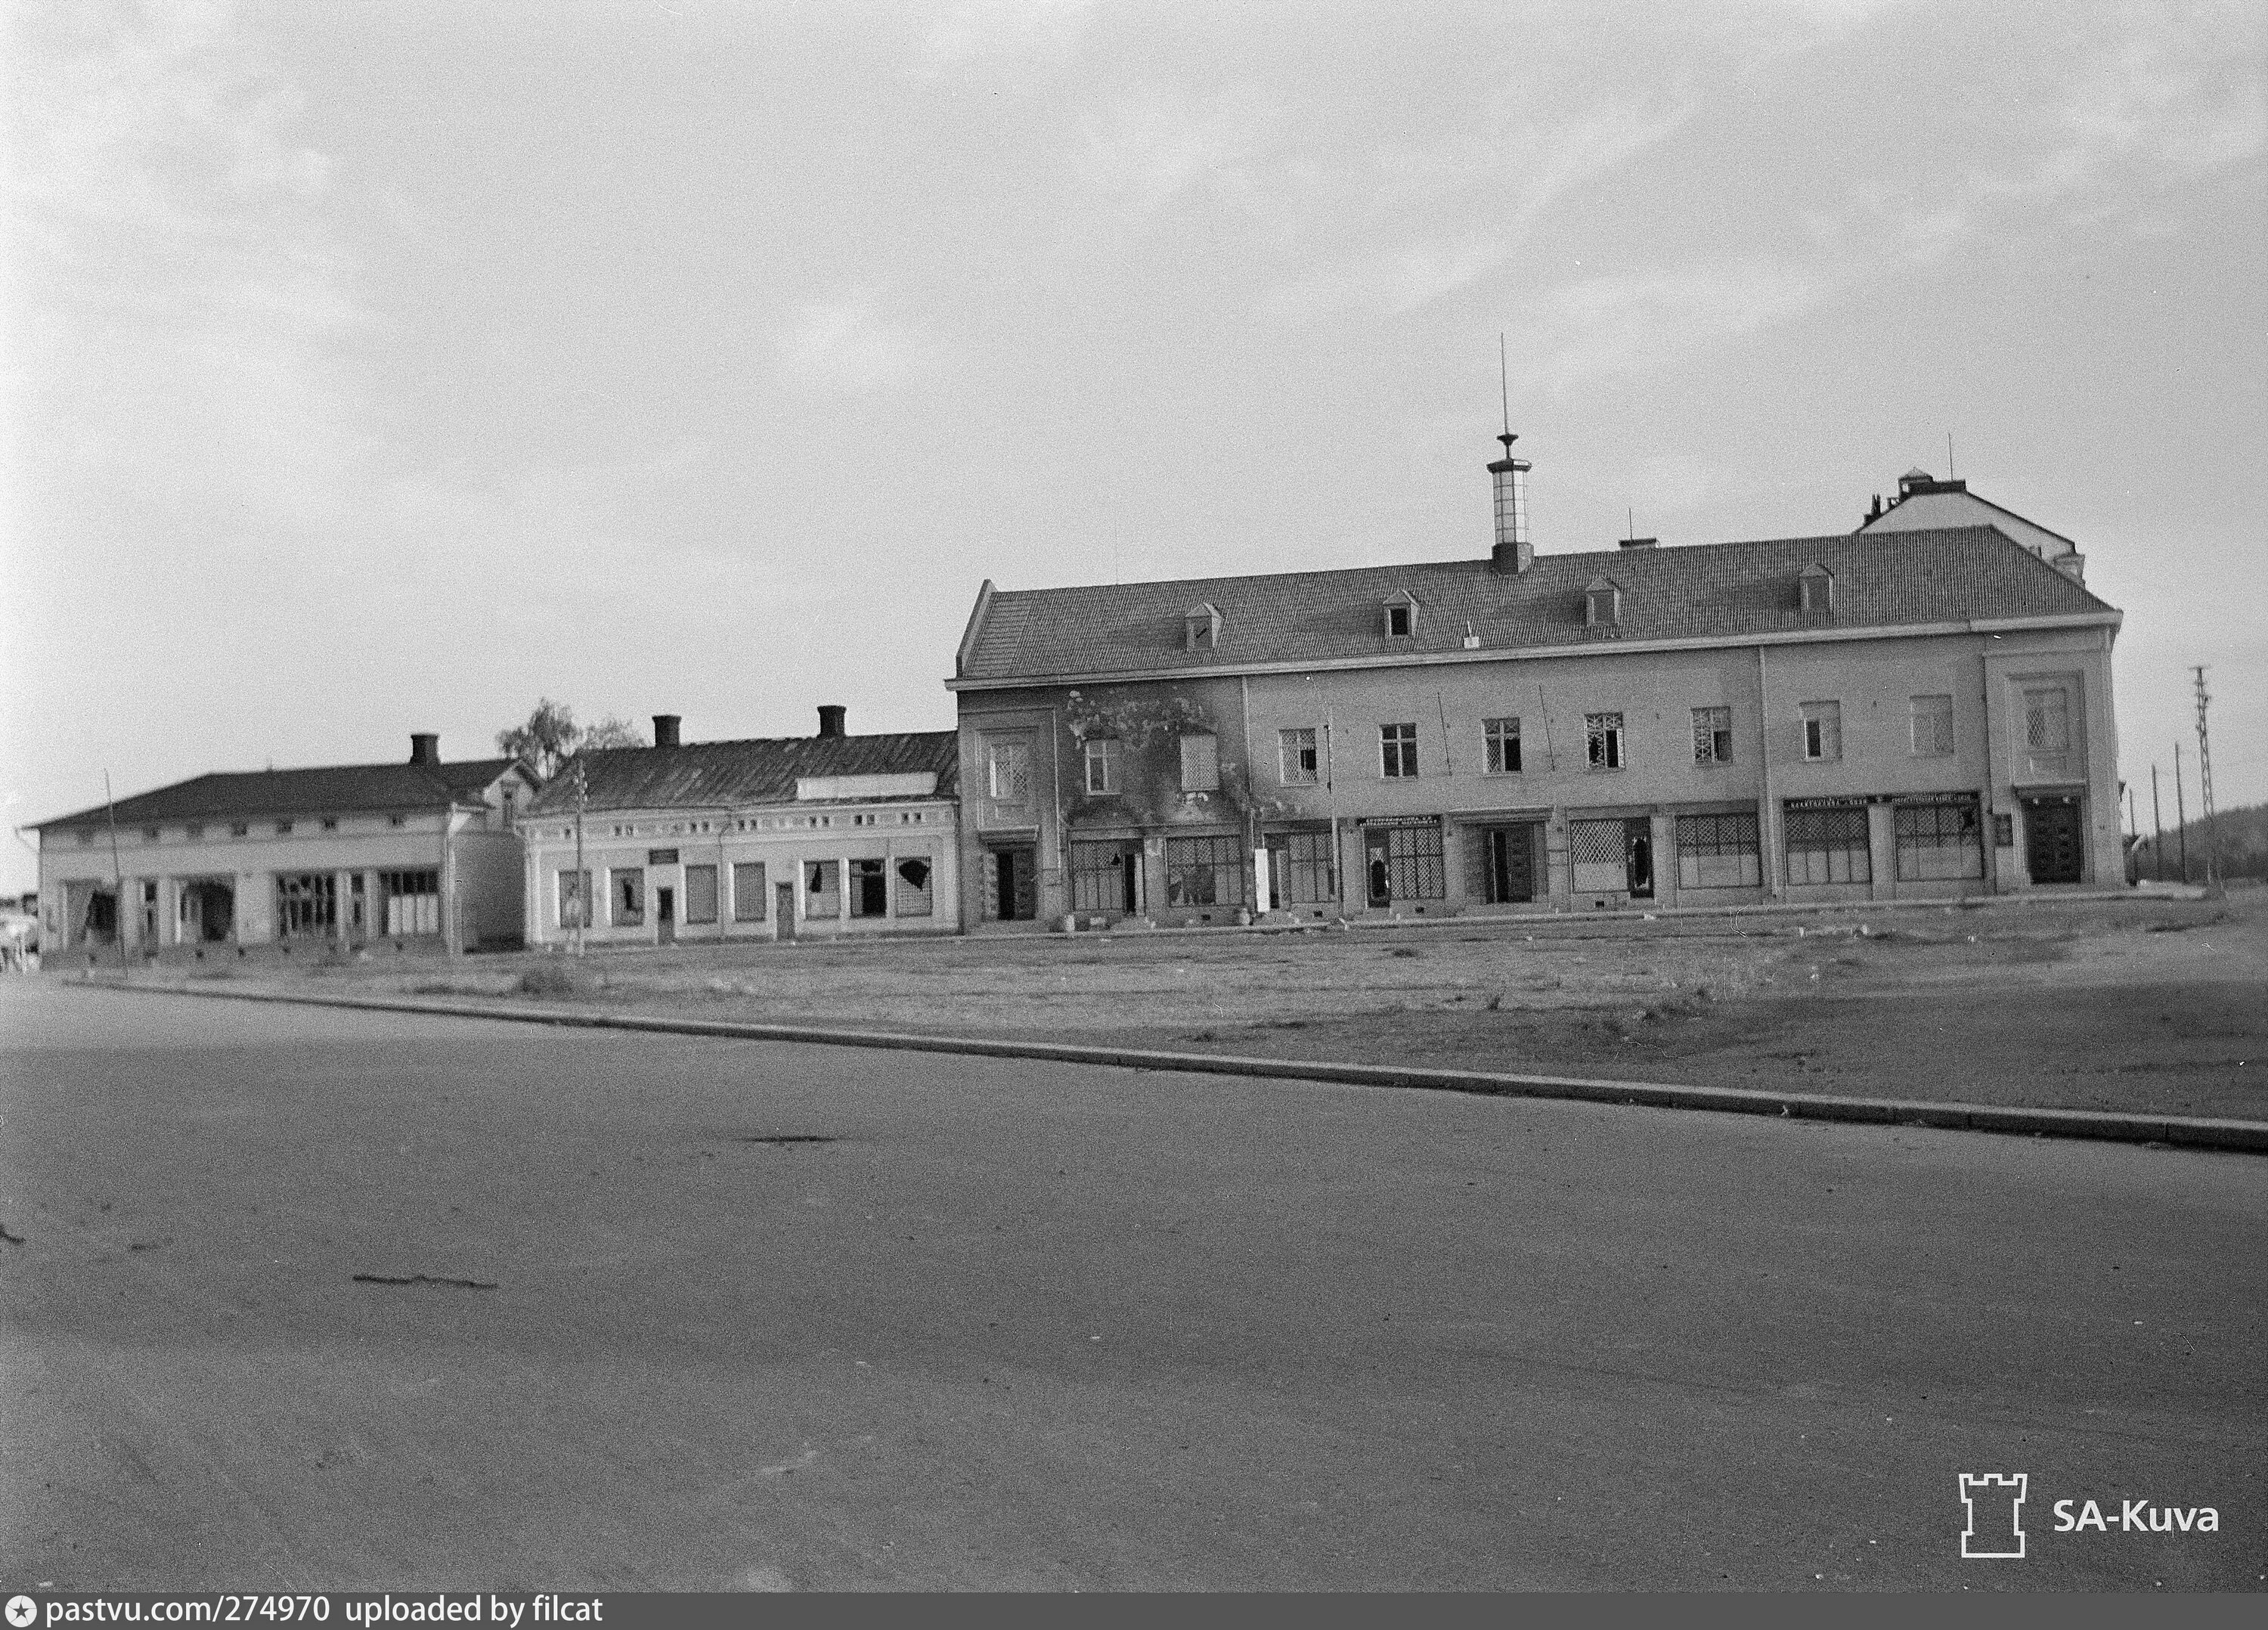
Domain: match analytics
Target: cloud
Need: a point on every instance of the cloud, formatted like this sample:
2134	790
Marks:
1152	148
1634	324
843	346
1394	282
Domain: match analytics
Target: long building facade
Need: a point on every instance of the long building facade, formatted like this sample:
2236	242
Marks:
414	854
831	837
1906	711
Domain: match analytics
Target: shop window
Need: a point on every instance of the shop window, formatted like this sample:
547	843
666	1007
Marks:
1718	852
413	901
306	904
1938	839
869	888
626	896
822	889
916	880
574	899
700	894
1204	871
1828	846
750	900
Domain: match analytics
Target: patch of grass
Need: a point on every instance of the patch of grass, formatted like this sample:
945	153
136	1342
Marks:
555	979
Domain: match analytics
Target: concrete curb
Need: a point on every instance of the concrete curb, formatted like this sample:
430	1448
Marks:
2185	1132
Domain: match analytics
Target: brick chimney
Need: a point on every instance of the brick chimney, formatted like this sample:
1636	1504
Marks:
1512	551
664	729
424	748
1637	542
830	722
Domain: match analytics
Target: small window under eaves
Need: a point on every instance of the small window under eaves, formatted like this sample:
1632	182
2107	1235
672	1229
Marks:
1200	627
1602	603
1398	616
1814	590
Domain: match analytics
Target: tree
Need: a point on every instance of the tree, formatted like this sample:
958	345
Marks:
549	740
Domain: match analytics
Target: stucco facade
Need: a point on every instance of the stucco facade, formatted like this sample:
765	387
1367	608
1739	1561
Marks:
1557	747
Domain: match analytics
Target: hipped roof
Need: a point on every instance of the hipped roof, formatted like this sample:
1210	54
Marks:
330	789
713	775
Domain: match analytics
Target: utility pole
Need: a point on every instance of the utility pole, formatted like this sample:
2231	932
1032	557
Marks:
2133	828
2158	825
582	877
2180	816
2205	779
117	877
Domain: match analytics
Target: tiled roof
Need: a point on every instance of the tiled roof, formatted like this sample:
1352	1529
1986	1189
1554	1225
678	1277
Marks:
1720	591
335	789
709	775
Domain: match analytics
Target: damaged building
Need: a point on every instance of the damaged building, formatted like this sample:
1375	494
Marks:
1918	708
413	854
830	836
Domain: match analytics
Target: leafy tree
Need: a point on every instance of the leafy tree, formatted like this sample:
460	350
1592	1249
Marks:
549	740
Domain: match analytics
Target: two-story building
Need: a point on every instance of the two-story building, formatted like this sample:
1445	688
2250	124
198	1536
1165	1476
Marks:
1903	711
414	854
828	837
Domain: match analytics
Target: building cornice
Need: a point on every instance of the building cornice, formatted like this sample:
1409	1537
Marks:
1534	653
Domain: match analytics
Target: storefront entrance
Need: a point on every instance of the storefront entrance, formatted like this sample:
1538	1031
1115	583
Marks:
2055	847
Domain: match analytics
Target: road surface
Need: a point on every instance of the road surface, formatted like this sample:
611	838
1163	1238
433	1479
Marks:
1023	1325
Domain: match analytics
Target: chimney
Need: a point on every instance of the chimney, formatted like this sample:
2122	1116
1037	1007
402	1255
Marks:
1640	543
830	722
664	729
2072	564
424	749
1512	551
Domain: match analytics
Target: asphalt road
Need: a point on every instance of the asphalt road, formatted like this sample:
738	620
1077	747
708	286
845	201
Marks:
1024	1325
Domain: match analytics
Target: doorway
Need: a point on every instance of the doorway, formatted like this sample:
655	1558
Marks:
1015	884
1508	863
784	917
2055	851
1638	857
665	915
1378	868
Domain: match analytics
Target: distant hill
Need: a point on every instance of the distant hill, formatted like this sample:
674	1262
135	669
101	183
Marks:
2243	835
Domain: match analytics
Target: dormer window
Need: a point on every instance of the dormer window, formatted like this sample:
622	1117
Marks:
1201	628
1400	616
1814	588
1602	604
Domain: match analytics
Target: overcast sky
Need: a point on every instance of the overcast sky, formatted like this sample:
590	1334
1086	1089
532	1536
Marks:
382	367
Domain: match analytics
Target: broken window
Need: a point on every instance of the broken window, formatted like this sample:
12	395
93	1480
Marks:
915	876
1938	838
700	894
1102	772
1931	723
1713	735
574	899
1104	875
1822	730
822	893
1200	764
1397	751
306	904
1295	752
869	889
1603	734
1718	852
1204	871
749	903
626	896
1503	737
413	901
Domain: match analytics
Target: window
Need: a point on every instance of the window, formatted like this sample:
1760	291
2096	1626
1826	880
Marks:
1602	604
1397	622
1414	868
1938	838
283	829
330	823
1295	755
1200	764
1200	627
1102	772
700	894
1815	591
2047	721
1931	723
1397	751
1829	845
626	896
86	836
1010	772
511	812
1204	871
1603	732
823	894
1301	870
1103	875
574	899
869	888
396	821
1822	730
413	901
1598	854
306	902
1713	735
1718	852
237	829
916	876
1503	736
750	900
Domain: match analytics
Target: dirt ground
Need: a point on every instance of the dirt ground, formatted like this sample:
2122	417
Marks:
2145	1004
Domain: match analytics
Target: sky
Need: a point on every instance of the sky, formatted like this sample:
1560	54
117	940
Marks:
378	368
